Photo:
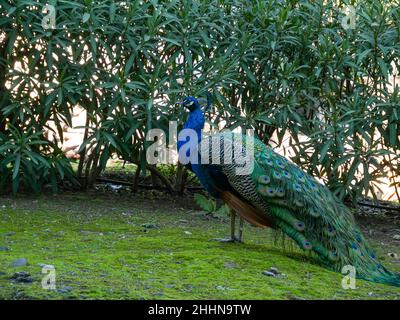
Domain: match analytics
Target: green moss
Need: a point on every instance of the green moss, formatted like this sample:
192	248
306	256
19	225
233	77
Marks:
115	248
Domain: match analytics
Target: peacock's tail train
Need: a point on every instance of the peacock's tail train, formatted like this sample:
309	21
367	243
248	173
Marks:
336	240
290	200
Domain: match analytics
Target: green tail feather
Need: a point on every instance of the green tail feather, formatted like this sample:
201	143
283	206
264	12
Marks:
327	226
308	212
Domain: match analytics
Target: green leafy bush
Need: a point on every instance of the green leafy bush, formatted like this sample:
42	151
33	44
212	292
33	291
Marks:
22	160
287	68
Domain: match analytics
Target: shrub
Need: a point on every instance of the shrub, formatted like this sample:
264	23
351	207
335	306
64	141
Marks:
285	68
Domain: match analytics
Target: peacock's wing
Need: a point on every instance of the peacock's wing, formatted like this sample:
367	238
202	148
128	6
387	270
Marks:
295	203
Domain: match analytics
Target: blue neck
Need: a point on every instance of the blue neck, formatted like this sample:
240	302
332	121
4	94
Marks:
196	122
209	176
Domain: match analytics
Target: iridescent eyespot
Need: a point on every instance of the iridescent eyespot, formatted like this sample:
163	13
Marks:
330	231
270	162
271	192
264	179
333	256
277	175
297	187
267	191
280	192
286	174
307	245
299	226
280	164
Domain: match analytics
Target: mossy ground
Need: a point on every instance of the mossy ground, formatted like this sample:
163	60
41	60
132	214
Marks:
118	247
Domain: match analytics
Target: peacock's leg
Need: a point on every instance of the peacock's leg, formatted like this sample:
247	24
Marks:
241	224
233	237
233	222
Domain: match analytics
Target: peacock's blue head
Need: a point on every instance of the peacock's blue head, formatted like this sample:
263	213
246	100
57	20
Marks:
191	103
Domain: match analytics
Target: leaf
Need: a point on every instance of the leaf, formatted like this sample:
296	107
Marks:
129	64
206	204
85	17
325	149
16	166
112	11
170	40
11	10
249	73
384	69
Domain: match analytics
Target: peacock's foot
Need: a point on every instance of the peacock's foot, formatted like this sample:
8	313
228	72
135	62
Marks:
228	240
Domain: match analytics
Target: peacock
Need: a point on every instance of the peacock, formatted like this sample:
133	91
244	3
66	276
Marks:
277	194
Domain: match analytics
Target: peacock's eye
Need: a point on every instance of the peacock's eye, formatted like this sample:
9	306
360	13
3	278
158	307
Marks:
190	103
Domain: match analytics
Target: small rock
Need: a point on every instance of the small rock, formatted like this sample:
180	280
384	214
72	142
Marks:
274	270
370	294
220	288
4	249
148	226
187	232
393	255
169	286
183	221
269	274
396	237
230	265
159	293
19	262
22	277
64	289
188	287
